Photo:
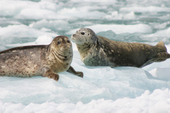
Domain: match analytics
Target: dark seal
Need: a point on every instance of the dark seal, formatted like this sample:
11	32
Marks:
45	60
100	51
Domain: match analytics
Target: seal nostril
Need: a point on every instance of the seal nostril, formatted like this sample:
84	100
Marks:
74	35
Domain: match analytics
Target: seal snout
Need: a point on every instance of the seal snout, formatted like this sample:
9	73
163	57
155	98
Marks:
65	47
73	36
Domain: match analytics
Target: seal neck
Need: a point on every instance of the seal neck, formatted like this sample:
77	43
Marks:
84	48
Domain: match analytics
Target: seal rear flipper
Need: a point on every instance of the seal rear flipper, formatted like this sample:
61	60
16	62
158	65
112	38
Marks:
71	70
161	57
50	74
157	58
161	47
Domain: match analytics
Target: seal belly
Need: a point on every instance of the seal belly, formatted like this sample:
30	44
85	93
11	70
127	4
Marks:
96	57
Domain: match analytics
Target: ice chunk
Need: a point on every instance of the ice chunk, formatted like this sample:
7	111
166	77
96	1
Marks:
110	34
161	33
161	73
23	8
130	16
98	2
54	25
118	29
35	13
22	31
44	40
145	9
115	15
83	12
41	40
11	8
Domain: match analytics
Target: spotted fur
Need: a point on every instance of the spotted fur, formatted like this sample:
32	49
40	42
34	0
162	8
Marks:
45	60
100	51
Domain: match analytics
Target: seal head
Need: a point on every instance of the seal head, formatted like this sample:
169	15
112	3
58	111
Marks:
60	53
84	36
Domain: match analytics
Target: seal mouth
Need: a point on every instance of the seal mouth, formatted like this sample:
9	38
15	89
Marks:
73	37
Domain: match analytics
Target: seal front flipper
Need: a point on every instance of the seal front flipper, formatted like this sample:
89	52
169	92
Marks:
71	70
50	74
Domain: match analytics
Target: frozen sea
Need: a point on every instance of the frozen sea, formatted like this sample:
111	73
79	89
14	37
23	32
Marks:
103	89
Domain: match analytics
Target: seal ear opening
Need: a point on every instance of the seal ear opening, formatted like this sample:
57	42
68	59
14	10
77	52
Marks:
161	47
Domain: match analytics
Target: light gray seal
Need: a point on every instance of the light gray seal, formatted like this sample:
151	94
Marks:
45	60
100	51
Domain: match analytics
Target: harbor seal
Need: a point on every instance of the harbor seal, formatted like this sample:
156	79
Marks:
45	60
100	51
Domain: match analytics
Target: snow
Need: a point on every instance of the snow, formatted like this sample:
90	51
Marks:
156	102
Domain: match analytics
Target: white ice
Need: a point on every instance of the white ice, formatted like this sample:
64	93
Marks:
22	31
25	9
118	29
144	9
54	25
156	102
82	12
161	33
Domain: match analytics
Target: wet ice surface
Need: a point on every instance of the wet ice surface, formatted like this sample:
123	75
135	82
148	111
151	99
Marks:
103	89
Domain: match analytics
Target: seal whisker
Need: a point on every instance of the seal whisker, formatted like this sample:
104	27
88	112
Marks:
59	56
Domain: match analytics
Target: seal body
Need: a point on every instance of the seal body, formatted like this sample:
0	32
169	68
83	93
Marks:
45	60
100	51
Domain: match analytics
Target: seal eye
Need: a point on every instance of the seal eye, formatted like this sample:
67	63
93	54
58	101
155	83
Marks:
82	33
68	41
59	42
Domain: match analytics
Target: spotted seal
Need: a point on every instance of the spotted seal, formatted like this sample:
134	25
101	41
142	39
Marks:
100	51
45	60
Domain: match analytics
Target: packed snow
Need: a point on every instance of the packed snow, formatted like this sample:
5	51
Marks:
102	89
